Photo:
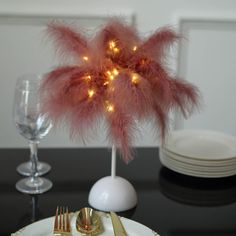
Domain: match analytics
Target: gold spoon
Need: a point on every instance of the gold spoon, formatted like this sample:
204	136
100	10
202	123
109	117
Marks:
88	222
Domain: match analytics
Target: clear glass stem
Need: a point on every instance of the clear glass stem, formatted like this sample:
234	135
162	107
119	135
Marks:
34	202
34	160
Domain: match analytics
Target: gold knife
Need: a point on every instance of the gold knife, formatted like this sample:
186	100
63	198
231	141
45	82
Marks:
118	227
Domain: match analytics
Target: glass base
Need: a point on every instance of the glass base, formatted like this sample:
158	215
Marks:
33	186
25	168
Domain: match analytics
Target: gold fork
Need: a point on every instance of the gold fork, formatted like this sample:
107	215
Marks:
62	222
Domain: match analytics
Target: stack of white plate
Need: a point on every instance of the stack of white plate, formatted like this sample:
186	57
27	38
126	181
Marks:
200	153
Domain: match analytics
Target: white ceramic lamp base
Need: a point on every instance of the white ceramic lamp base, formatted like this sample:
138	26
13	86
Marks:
113	193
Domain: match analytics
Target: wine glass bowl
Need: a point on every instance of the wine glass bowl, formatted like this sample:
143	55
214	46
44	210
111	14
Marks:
33	125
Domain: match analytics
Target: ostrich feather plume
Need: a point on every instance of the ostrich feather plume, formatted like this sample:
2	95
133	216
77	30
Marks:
116	75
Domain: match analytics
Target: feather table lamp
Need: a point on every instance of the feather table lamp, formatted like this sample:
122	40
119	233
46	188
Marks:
122	78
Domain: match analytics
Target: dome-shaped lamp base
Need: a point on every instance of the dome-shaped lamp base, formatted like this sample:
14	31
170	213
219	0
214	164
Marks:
112	194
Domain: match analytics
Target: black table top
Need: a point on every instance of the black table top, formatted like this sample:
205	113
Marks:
169	203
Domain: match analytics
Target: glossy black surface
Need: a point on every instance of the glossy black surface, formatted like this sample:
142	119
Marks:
169	203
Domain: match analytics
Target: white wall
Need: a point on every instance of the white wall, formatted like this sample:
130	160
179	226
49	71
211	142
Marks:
149	16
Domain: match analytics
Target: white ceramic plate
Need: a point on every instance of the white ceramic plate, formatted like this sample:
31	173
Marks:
202	144
200	168
196	173
45	228
201	162
197	166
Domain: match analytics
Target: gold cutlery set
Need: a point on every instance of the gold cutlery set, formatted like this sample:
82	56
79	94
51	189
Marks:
88	222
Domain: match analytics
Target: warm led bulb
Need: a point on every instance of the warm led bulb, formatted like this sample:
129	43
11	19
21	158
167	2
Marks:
85	58
143	62
112	46
134	78
111	75
110	108
88	77
91	92
115	71
116	50
135	48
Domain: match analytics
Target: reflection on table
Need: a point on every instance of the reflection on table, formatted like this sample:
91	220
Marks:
169	203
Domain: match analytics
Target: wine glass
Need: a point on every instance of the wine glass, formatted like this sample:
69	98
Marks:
33	125
25	168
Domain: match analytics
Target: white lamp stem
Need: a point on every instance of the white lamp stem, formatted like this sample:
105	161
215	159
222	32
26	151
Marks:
113	162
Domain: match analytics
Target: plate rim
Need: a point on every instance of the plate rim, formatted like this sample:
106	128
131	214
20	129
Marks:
211	166
189	168
206	162
176	134
191	172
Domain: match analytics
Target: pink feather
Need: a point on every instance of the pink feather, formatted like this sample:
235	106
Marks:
67	40
121	127
134	97
157	43
125	38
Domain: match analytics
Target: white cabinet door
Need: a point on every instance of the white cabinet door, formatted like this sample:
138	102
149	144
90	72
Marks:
207	58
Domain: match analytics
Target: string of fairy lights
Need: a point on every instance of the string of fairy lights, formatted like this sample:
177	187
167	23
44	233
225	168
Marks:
110	75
